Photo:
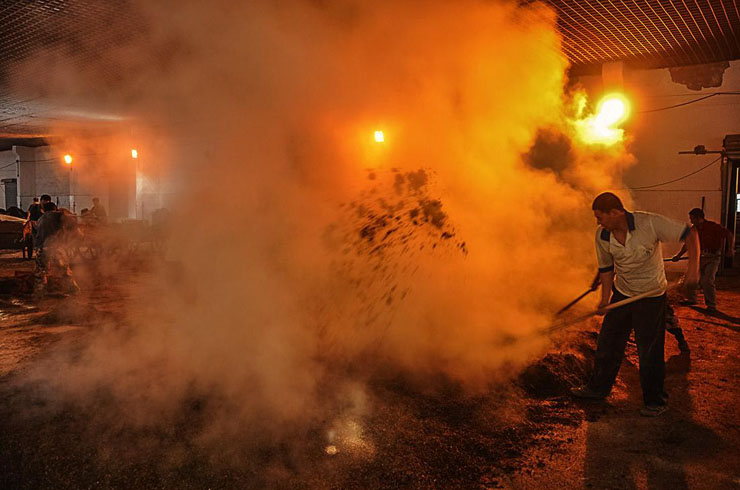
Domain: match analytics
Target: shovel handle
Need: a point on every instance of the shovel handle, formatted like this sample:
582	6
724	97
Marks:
611	306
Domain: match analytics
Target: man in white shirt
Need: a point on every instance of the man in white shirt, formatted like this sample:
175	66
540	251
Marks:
628	247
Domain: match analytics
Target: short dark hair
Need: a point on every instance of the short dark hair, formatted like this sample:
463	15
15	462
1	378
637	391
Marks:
35	199
697	212
607	201
49	206
45	197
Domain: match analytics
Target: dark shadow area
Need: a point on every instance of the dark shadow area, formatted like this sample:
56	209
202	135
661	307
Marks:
718	315
615	462
724	316
602	470
419	432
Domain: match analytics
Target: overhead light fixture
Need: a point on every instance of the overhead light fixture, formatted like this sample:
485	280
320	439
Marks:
613	109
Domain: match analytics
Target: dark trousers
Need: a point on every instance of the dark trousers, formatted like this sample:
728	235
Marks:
708	266
646	317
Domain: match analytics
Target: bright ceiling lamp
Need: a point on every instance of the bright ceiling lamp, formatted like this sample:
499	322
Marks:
602	128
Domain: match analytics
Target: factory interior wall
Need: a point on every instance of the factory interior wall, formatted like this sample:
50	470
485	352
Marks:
26	174
8	170
52	175
655	138
42	171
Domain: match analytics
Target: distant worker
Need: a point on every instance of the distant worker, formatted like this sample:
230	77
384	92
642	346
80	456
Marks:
98	211
29	230
714	239
54	229
34	210
628	247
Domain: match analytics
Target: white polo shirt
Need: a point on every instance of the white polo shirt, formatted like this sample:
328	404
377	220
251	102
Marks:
638	264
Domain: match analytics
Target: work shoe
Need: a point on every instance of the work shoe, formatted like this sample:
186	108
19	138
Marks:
687	302
683	346
653	410
586	393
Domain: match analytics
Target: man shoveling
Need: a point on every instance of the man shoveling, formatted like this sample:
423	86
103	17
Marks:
55	229
631	264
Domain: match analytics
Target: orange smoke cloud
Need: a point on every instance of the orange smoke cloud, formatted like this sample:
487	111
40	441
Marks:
477	236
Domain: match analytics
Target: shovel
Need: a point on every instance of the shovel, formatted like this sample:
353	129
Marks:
594	287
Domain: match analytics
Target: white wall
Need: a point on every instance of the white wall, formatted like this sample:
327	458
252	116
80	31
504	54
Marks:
52	176
657	137
8	170
42	171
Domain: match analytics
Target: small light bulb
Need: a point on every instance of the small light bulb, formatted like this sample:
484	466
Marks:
68	159
134	153
379	137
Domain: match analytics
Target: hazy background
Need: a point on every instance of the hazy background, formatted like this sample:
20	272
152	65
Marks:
308	256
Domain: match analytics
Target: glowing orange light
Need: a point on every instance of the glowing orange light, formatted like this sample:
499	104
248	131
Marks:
613	110
379	137
602	127
68	159
134	153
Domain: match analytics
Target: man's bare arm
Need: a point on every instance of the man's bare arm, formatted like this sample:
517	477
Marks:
680	253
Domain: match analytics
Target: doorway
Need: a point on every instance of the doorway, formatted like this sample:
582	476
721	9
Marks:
11	192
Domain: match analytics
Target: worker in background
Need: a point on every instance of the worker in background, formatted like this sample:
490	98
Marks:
55	228
29	229
98	211
715	240
631	264
34	210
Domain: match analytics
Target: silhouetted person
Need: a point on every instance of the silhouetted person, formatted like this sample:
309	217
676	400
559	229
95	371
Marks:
34	210
631	264
714	240
98	211
49	243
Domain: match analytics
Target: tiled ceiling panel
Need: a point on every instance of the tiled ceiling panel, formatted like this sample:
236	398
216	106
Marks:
643	33
649	33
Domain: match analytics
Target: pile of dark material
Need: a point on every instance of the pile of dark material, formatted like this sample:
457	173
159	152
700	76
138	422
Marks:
425	432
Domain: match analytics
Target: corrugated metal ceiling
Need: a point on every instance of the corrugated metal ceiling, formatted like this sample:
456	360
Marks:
649	33
643	33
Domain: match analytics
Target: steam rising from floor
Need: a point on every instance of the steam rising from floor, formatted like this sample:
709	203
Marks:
310	255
